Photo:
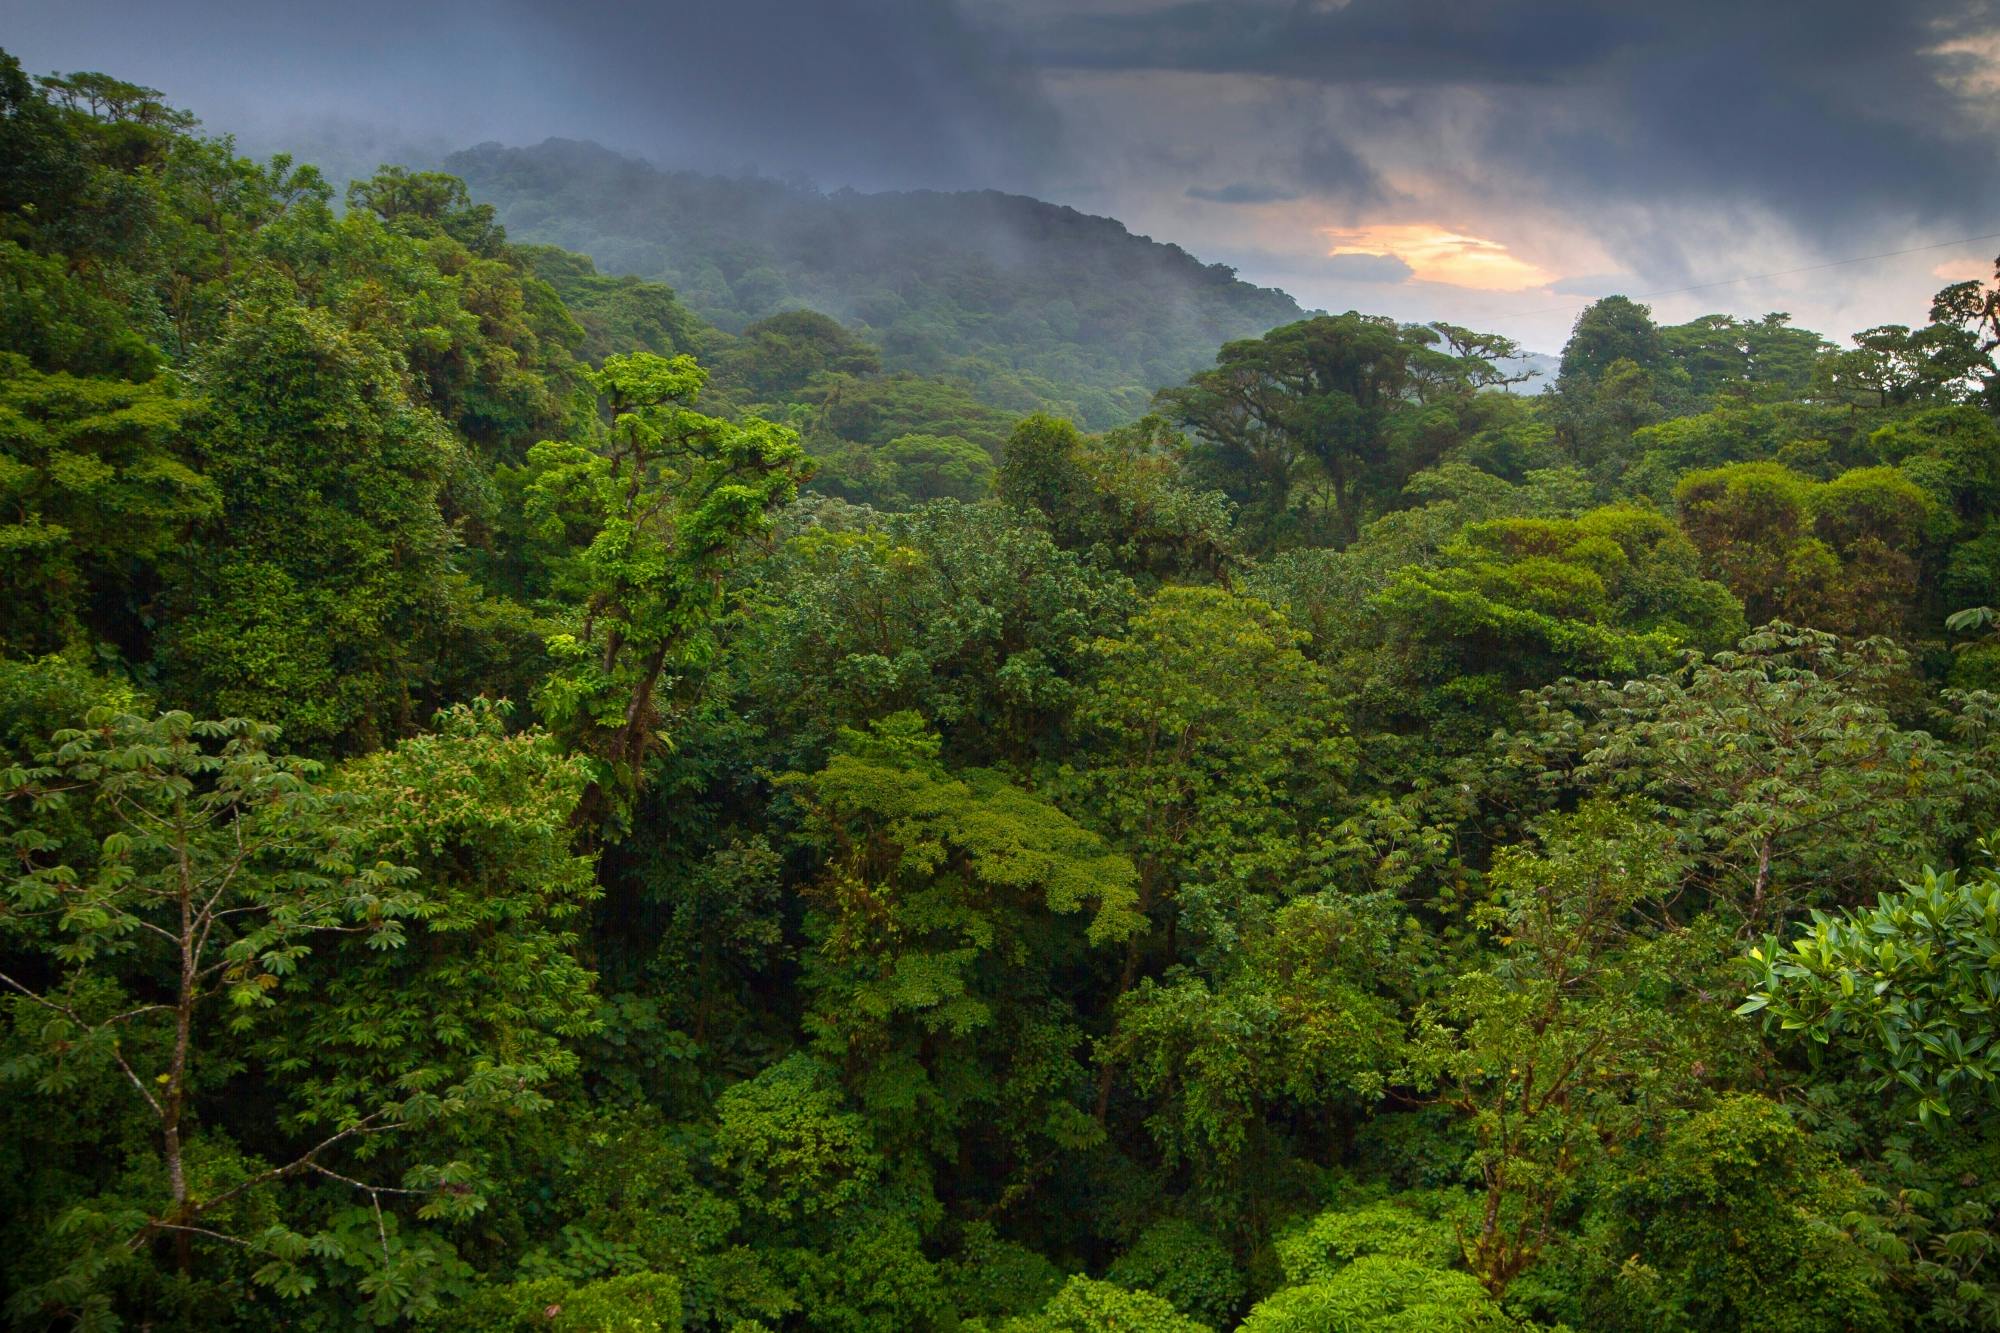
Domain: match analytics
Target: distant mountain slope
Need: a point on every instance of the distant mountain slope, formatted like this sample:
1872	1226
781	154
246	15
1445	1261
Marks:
1541	365
1018	297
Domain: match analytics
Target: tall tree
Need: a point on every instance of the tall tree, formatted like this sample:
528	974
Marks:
97	492
177	900
1311	422
1558	1053
1779	766
640	533
946	916
1613	329
1841	555
316	597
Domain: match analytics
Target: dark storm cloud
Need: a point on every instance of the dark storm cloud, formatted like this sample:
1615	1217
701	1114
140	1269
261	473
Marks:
1831	113
865	92
1285	149
1845	122
1821	109
1328	166
1428	40
895	91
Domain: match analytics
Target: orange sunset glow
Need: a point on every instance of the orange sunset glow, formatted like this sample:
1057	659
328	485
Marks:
1436	254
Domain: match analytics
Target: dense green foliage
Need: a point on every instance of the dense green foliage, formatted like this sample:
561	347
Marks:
527	810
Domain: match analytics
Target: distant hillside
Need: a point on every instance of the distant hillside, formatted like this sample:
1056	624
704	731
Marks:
1540	365
1020	298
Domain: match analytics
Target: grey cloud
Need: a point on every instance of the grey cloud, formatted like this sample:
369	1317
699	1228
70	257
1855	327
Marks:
1426	41
906	92
1835	115
1329	166
1241	192
1592	285
1827	120
863	92
1367	268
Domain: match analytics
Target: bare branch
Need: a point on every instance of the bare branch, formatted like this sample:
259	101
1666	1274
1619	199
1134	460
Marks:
176	1226
304	1162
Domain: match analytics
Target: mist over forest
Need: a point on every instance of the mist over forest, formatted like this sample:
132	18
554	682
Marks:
1041	304
1078	668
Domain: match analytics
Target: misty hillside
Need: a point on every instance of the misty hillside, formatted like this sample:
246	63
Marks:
1541	368
1021	298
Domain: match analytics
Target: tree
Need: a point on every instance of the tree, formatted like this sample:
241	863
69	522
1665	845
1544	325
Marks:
1152	517
1610	330
637	1303
1711	350
1748	521
640	535
113	101
1276	1052
777	357
945	911
315	597
1308	424
96	492
1616	376
177	895
191	836
1327	592
1511	603
1490	348
1781	770
1085	1305
968	614
618	314
1186	1264
1839	555
1559	1052
42	166
873	410
1382	1293
1895	366
489	346
1760	359
1812	439
910	470
1126	494
1042	471
821	1202
1974	308
481	815
1953	453
1735	1219
1215	745
1781	356
61	305
1908	988
428	202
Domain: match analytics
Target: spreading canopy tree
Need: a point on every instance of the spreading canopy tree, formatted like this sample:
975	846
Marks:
1309	424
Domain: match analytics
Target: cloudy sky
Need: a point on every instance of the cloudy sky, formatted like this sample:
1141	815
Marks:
1494	162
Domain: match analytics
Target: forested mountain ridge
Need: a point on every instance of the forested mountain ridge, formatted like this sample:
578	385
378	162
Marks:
1006	292
488	847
